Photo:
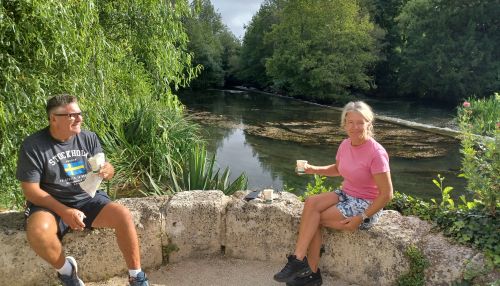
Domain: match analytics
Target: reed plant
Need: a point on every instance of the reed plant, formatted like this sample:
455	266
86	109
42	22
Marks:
199	173
141	146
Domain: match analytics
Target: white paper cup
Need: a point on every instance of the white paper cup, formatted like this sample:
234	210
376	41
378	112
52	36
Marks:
268	195
96	162
300	166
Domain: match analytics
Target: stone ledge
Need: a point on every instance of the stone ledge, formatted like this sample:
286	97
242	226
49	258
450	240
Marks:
200	223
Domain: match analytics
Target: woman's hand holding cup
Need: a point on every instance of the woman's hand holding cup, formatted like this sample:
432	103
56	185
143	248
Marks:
301	167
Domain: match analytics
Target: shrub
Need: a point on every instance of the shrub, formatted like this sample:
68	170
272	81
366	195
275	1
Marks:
318	187
475	221
467	222
480	127
141	146
198	173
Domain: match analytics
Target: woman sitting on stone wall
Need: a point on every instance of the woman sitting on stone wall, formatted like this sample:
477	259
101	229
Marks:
367	188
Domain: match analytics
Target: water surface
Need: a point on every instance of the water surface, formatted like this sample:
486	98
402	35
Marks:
262	135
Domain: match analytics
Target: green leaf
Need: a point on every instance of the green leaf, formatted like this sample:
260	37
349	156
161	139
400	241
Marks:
438	184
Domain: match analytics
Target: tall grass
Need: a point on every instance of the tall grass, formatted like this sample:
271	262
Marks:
142	146
481	116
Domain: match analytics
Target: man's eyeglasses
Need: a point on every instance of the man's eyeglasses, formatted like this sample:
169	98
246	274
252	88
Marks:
70	115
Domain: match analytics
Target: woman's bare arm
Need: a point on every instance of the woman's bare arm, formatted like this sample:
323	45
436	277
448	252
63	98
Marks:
329	170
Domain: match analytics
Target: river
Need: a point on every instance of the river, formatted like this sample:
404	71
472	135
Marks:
262	135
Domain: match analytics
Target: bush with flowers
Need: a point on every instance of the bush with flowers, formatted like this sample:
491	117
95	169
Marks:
479	122
471	221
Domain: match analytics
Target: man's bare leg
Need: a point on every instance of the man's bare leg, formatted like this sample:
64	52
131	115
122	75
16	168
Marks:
118	217
41	232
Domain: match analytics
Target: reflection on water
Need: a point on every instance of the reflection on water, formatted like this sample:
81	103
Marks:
263	135
234	146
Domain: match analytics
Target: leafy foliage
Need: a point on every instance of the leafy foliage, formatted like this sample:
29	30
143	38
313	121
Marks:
255	51
418	264
214	47
321	49
481	161
431	49
449	49
465	221
153	33
446	201
123	61
480	116
384	14
319	187
140	149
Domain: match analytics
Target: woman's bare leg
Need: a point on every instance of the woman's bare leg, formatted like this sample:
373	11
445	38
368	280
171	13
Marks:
309	240
310	220
314	250
331	218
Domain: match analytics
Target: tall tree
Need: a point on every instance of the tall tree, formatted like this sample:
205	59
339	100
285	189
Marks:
211	43
255	51
230	57
322	49
450	48
384	13
152	33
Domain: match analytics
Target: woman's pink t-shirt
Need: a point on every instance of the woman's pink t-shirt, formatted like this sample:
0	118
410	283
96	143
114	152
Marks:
358	164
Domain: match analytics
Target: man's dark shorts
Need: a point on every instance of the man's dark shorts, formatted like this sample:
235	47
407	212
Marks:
90	208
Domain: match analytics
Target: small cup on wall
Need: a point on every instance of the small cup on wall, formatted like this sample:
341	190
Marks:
268	195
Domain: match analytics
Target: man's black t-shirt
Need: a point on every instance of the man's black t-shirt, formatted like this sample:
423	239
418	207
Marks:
59	167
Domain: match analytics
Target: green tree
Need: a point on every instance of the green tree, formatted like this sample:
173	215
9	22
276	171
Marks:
211	43
322	49
152	33
230	57
384	13
255	51
450	49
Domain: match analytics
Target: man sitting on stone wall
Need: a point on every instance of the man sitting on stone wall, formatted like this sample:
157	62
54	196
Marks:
52	164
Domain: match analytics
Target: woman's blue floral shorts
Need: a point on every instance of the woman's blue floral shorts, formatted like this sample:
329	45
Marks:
350	206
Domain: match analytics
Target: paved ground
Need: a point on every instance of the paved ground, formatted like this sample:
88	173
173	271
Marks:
215	272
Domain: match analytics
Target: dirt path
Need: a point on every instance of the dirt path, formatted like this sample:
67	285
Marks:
215	272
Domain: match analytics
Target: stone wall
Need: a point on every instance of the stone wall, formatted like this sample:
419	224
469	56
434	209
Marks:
200	223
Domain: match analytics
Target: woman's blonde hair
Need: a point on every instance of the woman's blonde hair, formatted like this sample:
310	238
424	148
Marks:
362	108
